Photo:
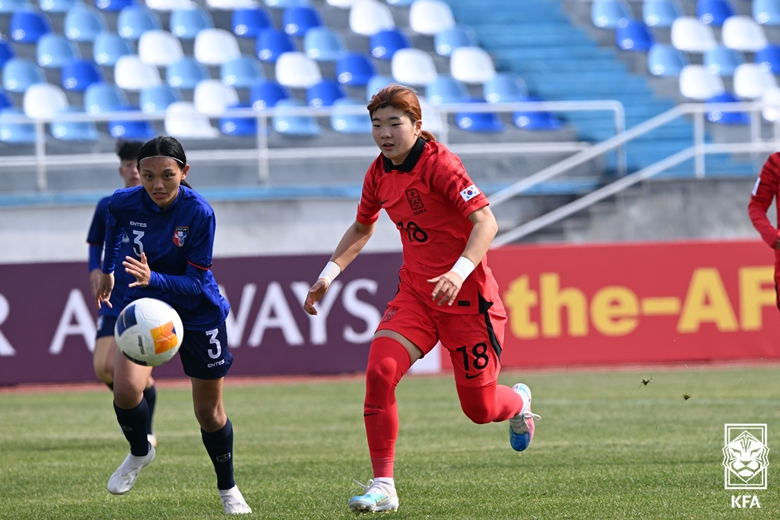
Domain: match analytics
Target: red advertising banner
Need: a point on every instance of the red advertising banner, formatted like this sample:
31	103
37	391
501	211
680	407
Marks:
567	305
638	303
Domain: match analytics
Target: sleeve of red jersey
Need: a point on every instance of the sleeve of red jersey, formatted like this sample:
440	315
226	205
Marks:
763	193
451	179
369	207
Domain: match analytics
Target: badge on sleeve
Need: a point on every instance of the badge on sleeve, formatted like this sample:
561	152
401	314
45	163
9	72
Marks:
469	193
180	235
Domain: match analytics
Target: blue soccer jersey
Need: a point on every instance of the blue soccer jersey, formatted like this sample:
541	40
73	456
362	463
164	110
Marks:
95	238
178	242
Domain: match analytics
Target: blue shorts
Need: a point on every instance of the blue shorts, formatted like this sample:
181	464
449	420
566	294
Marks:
205	354
105	326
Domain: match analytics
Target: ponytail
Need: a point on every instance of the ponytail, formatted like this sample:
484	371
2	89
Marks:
427	136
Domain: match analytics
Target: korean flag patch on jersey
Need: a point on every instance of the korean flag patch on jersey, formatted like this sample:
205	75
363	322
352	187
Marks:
469	193
180	235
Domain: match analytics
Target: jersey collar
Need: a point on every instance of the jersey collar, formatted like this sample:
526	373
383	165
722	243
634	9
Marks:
411	160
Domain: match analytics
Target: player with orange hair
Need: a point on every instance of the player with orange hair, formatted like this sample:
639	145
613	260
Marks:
447	292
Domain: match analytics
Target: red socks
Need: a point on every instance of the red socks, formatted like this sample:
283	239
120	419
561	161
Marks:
491	403
388	361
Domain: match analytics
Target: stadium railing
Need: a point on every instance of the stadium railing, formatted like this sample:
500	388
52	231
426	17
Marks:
697	151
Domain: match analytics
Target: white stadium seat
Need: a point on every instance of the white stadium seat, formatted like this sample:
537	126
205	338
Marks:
44	101
697	83
430	17
213	98
215	47
230	5
182	120
413	67
296	70
751	81
368	17
742	33
690	34
159	48
771	99
130	73
471	65
343	4
170	5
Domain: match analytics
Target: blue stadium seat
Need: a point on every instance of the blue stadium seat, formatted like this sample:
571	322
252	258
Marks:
19	74
608	13
354	68
377	83
325	93
74	130
78	74
27	26
769	58
766	12
271	43
113	5
56	6
186	73
157	98
487	122
136	130
15	133
723	61
247	23
7	51
448	40
55	50
350	123
11	6
661	13
383	44
238	126
83	24
109	47
242	72
446	90
536	120
134	20
294	125
266	93
400	2
323	44
726	118
297	20
504	88
714	12
185	24
100	98
664	60
634	36
281	4
5	101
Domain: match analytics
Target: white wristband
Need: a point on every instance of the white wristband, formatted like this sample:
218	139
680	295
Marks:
331	271
463	267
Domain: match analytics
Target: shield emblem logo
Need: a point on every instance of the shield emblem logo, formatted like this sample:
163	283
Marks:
180	235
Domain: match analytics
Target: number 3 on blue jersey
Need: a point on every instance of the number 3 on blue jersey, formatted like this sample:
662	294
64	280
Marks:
212	334
137	240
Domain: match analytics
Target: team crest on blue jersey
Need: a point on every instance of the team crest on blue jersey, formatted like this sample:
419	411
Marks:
180	235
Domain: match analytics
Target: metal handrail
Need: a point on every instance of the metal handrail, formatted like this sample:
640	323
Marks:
697	151
263	154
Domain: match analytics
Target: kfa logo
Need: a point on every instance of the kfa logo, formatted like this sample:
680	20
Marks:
415	201
745	456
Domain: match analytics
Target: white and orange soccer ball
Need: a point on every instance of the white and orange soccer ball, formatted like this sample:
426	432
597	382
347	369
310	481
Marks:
148	332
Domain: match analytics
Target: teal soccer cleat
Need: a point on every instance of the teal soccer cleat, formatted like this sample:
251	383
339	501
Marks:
378	497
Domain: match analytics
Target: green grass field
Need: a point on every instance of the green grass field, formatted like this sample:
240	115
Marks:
607	447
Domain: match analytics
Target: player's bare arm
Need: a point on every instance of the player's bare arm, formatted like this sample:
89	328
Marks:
485	228
104	288
94	280
350	245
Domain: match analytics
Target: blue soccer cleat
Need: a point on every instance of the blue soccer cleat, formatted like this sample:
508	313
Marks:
521	426
378	497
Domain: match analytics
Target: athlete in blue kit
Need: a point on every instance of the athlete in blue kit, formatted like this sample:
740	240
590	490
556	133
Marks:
105	346
171	230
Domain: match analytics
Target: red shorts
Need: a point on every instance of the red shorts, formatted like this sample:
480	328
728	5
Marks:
474	341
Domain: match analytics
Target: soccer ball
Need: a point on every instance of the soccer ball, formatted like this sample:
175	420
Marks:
148	332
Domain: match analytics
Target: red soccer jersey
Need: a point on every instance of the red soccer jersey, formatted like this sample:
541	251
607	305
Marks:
766	189
429	198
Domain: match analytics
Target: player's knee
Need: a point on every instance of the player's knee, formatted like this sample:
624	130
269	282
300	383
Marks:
210	418
478	413
381	374
103	374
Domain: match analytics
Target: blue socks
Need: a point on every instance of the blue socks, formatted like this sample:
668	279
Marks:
219	445
150	396
134	423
